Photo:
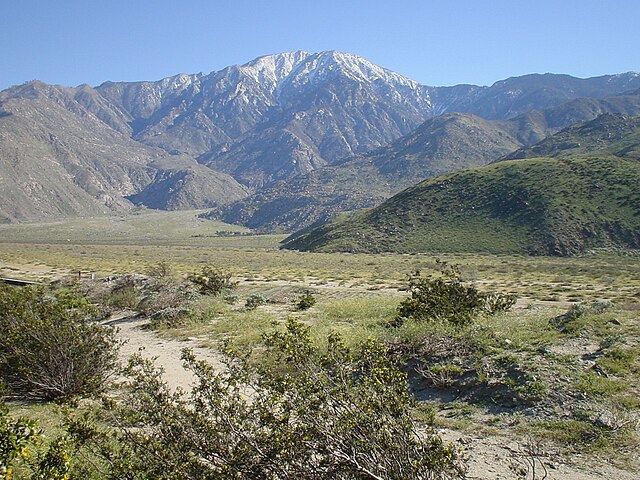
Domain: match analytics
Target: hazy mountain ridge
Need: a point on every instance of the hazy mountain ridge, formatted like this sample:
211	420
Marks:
586	197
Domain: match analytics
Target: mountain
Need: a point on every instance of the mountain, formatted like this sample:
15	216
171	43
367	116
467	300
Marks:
613	134
444	143
451	141
284	115
275	117
199	140
516	95
549	206
57	158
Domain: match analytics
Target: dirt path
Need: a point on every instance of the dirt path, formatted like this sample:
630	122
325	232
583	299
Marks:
166	352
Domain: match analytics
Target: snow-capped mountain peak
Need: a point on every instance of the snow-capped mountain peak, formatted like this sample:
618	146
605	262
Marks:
271	69
318	67
300	67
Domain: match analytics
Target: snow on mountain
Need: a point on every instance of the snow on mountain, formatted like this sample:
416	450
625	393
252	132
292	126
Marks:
270	70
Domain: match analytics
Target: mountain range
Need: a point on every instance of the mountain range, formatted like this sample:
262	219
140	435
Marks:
297	136
574	191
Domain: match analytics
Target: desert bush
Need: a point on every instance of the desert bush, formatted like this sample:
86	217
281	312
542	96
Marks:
568	321
344	414
213	280
16	436
306	301
124	297
49	345
165	298
447	299
21	441
161	269
255	300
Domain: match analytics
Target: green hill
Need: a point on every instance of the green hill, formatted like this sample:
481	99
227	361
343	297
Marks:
613	134
538	206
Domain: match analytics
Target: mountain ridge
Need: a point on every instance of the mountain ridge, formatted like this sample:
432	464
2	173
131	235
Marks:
585	195
444	143
247	127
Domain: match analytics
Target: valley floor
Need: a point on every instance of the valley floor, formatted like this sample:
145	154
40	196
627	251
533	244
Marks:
357	294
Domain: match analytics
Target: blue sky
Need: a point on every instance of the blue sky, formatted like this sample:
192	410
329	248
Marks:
434	42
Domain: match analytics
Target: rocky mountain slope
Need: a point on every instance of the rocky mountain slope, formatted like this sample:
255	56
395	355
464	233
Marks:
449	142
274	117
557	206
58	159
198	140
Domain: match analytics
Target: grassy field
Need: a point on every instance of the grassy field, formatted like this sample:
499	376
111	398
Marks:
520	354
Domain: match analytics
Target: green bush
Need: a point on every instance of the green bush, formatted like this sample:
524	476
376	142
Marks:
49	345
447	299
20	439
213	280
255	300
345	414
306	301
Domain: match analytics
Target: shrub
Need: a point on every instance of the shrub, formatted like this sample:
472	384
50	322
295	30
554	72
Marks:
49	345
20	439
167	301
213	280
447	299
16	436
569	322
124	297
344	414
161	269
306	301
255	300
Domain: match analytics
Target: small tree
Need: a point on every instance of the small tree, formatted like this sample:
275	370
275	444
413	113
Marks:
344	415
49	345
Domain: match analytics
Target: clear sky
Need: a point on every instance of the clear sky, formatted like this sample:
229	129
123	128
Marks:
444	42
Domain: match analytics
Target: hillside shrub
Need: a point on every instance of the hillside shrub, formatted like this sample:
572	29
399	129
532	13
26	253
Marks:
213	280
344	414
50	347
446	298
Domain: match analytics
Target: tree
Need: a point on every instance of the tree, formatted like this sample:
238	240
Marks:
296	414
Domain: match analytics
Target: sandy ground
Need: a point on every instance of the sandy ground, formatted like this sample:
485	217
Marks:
166	352
494	457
